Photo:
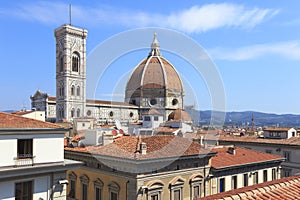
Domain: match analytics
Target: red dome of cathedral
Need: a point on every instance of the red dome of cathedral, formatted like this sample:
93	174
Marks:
154	74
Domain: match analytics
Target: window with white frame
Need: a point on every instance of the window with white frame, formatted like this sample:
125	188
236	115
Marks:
114	189
84	180
72	185
176	188
155	189
98	186
196	186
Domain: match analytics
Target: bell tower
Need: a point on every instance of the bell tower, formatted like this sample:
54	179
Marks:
70	72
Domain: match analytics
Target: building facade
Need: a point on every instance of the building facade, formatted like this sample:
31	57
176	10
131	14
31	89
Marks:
32	164
163	167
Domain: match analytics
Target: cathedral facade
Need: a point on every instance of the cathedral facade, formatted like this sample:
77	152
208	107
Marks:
153	84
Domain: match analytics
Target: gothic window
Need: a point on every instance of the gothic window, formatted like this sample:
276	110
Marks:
78	112
78	91
72	112
73	90
75	62
61	64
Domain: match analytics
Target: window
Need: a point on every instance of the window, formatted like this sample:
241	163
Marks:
234	182
176	187
78	91
84	191
84	187
72	112
265	172
75	62
196	184
147	118
78	112
114	189
245	180
269	151
24	190
177	194
73	90
24	148
72	191
155	190
222	185
255	178
273	174
98	185
154	197
174	102
196	191
61	64
155	118
153	101
111	113
131	114
286	154
286	172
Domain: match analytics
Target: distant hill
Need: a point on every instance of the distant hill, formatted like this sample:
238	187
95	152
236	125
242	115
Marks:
244	118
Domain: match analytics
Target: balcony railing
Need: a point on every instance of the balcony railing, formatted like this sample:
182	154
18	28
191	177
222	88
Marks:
24	160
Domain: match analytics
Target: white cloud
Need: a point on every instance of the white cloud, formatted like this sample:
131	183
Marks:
289	50
192	20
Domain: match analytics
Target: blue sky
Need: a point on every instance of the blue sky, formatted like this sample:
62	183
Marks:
255	46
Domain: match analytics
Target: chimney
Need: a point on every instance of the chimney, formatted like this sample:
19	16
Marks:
143	148
201	140
231	150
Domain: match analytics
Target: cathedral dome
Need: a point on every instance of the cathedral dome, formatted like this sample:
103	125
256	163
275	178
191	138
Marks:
152	74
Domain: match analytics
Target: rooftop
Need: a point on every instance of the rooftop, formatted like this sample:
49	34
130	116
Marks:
241	156
13	121
293	141
285	188
158	146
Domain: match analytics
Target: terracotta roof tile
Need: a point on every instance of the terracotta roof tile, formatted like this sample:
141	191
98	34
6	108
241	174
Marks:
158	146
14	121
242	156
254	139
289	189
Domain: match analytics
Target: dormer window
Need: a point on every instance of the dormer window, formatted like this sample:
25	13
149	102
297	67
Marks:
75	62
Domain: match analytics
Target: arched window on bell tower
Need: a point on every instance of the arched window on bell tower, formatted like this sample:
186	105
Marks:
78	91
73	90
61	64
78	112
75	62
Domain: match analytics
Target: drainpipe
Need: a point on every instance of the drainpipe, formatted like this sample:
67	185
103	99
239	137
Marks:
127	189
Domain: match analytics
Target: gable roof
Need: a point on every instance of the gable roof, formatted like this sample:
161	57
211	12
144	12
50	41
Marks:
285	188
12	121
242	156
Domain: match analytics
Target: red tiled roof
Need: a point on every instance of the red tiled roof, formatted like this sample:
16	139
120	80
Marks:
22	112
242	156
158	146
52	98
254	139
286	188
14	121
